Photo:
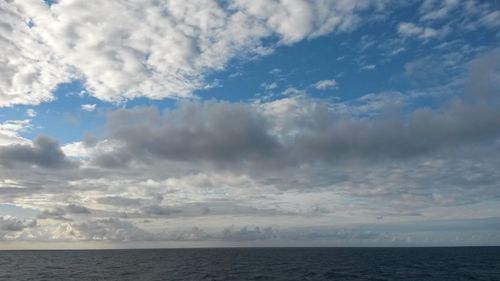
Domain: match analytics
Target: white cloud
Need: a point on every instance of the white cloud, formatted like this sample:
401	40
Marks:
10	129
368	67
88	107
29	69
128	49
424	33
292	91
435	10
325	84
491	20
31	112
397	51
269	86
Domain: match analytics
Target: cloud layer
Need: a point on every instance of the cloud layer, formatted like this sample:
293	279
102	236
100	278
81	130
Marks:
148	48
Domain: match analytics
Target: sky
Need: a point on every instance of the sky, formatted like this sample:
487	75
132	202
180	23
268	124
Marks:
154	123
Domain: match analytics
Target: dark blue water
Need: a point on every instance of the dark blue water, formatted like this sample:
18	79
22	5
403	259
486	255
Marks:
471	263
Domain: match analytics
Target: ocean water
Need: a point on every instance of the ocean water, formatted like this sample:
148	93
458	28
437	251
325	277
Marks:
468	263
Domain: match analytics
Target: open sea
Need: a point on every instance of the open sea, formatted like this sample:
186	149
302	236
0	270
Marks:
460	263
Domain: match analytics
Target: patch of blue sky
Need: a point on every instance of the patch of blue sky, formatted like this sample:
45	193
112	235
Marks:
374	58
64	119
49	2
18	212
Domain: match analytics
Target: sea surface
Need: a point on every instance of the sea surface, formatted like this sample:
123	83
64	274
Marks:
467	263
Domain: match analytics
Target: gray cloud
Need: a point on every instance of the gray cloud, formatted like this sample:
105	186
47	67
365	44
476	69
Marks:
44	152
111	229
77	209
118	201
13	224
60	213
211	208
213	131
248	234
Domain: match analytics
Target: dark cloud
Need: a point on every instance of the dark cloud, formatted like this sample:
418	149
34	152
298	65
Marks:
213	131
118	201
193	234
483	77
60	213
77	209
156	210
425	130
211	208
44	152
248	234
8	223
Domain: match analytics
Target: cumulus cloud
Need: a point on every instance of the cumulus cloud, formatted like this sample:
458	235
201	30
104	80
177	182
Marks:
214	131
126	49
29	68
43	152
88	107
110	230
8	223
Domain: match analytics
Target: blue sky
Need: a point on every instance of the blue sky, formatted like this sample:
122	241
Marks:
131	123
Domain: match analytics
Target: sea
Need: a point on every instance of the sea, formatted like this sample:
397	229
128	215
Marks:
454	263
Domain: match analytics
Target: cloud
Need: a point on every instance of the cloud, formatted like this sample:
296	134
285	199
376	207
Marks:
8	223
111	229
473	14
301	130
126	49
88	107
292	91
247	234
397	51
56	214
29	68
31	112
491	20
10	131
266	168
368	67
119	201
215	131
424	33
325	84
436	10
269	86
77	209
43	152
